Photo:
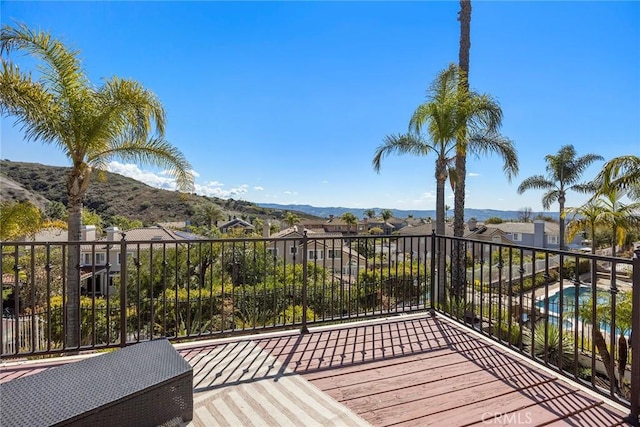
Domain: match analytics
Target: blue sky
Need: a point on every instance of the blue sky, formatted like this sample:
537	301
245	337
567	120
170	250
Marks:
286	102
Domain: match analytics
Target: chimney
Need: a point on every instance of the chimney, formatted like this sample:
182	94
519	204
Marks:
88	233
112	233
266	229
538	233
330	218
472	224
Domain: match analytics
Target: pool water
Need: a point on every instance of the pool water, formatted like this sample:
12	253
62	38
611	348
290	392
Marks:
568	304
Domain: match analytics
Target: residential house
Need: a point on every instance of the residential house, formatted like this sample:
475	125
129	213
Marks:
101	260
237	225
367	224
539	234
327	250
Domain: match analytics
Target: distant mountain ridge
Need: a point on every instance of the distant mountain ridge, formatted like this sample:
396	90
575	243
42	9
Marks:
479	214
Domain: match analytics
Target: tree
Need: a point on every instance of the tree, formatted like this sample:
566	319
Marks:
370	213
124	223
291	219
443	116
90	217
620	173
91	124
56	210
524	214
386	215
585	217
210	214
619	216
464	17
18	220
350	219
564	170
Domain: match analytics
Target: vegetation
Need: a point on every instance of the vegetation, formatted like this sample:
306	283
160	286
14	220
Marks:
564	171
91	125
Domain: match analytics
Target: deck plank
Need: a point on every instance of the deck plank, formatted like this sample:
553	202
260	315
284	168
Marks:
406	371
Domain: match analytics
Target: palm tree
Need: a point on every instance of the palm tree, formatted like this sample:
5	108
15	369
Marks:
564	170
386	215
621	173
350	219
621	217
91	125
586	217
464	17
370	213
291	219
211	214
412	143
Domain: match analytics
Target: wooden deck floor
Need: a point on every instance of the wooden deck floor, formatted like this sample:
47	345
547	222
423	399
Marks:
406	371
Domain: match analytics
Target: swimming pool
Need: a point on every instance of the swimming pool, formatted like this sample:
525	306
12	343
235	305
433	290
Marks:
568	306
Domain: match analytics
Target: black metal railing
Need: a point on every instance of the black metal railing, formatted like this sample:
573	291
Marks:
572	312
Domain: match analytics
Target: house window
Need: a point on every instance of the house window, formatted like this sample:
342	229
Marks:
334	253
129	255
293	250
496	239
273	251
315	254
516	237
100	258
553	240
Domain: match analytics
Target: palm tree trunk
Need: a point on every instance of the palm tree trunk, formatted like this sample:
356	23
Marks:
77	185
561	200
601	345
72	294
458	266
622	360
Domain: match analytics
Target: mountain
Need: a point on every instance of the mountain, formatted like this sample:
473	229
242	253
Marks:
117	195
479	214
120	195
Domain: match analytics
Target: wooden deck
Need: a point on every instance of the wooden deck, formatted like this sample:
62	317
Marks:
405	371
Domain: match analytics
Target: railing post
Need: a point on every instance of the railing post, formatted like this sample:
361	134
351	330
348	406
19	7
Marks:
634	417
123	291
303	328
433	273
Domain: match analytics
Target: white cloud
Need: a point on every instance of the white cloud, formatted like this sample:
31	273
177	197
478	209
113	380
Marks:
162	180
325	182
216	191
149	178
258	188
473	174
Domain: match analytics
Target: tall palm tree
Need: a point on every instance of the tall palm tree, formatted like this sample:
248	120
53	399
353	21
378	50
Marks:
386	215
442	116
370	213
416	144
464	17
291	219
564	170
91	125
621	173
